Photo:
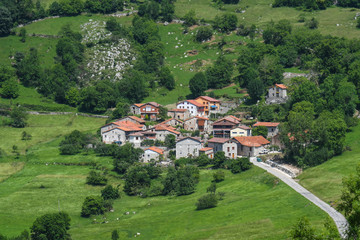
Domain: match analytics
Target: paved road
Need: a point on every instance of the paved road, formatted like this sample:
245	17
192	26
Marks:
338	218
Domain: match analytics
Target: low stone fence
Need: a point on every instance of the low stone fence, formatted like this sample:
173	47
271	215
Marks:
281	168
66	113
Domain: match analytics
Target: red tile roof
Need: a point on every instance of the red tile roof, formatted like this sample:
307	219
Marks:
242	127
229	118
178	110
198	139
138	104
218	140
252	141
155	104
156	149
163	127
165	122
205	149
209	99
137	134
193	102
137	119
128	126
282	86
266	124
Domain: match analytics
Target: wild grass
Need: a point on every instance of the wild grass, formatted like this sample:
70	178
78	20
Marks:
325	180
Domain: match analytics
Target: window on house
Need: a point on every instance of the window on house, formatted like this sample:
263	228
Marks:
228	149
233	148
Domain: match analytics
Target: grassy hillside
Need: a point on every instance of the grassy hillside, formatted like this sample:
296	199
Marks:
44	129
325	180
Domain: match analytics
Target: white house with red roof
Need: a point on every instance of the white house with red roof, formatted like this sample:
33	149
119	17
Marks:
195	108
208	151
162	130
119	131
272	127
152	153
250	146
277	94
228	146
239	131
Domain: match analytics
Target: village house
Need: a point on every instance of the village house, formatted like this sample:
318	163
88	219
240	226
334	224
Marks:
208	151
133	119
212	105
240	131
272	127
163	130
195	108
152	153
228	146
172	122
202	124
277	94
223	126
188	147
136	139
119	132
178	113
251	146
148	111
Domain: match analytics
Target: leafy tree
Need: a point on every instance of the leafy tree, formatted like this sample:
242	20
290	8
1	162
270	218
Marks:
202	160
170	181
72	96
144	30
219	176
96	178
226	22
260	131
270	70
18	117
51	226
55	9
6	21
350	203
122	109
239	165
305	91
255	89
166	79
115	235
71	7
125	156
187	178
134	86
211	188
276	33
312	24
190	18
167	10
136	178
206	201
170	141
219	159
10	89
92	205
219	75
303	230
198	84
287	55
203	33
25	136
22	34
109	192
28	70
73	143
153	56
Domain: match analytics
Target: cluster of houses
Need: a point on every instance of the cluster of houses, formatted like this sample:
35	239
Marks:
227	134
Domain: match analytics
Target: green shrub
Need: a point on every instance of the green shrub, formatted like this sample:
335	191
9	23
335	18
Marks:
95	178
109	192
93	205
206	201
219	176
203	33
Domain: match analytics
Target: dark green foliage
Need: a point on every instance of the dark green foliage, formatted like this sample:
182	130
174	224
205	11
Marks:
115	235
92	205
170	141
219	176
225	23
270	70
166	79
206	201
211	188
10	89
125	156
240	165
51	226
144	30
18	117
260	131
308	4
25	136
198	84
203	33
136	178
219	159
303	230
255	89
28	70
167	10
73	143
267	114
150	10
202	160
96	178
54	9
134	86
181	181
190	18
312	24
287	55
350	202
22	34
71	7
104	6
122	110
109	192
219	75
276	33
349	3
6	21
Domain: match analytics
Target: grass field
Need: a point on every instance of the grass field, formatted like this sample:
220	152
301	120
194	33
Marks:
325	180
44	129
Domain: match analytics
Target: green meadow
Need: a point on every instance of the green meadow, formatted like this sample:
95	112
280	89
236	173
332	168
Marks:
325	180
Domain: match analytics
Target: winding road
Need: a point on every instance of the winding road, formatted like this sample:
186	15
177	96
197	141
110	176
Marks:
338	218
